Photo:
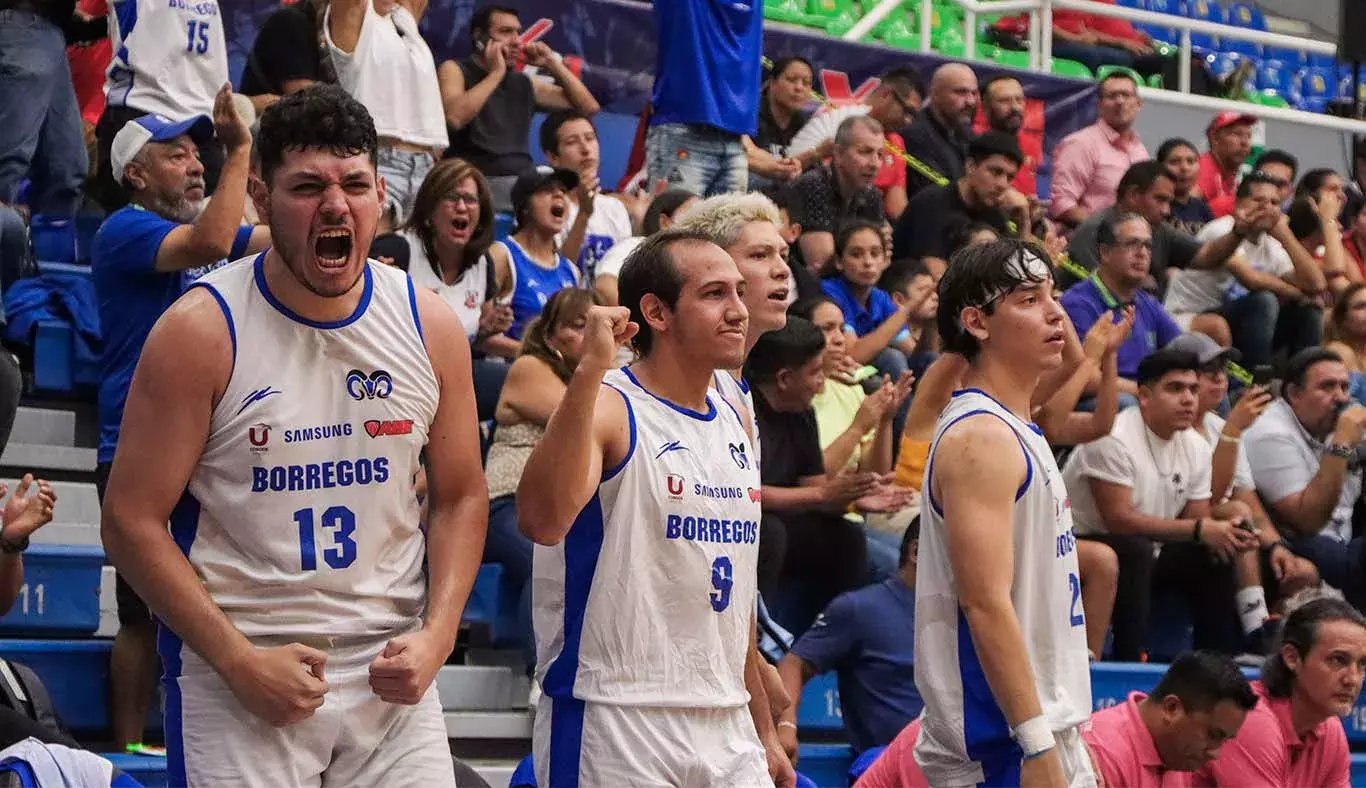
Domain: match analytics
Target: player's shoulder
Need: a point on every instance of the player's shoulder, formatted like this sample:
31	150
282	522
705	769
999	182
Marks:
981	441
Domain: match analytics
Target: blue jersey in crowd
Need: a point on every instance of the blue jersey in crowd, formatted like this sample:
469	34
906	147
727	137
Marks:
858	318
707	69
1086	301
534	284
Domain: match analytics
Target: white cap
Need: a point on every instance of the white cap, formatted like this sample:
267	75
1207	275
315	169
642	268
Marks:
153	128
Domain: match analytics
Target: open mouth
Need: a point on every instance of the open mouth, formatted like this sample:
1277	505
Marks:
333	248
460	224
779	295
558	210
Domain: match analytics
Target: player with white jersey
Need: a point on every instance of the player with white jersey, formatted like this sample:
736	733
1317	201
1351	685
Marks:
1000	637
276	419
645	503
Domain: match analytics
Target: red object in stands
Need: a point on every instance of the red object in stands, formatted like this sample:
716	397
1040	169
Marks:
88	63
1031	137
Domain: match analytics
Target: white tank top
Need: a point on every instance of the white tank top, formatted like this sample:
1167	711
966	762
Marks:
169	56
739	396
648	600
301	518
465	297
392	73
962	723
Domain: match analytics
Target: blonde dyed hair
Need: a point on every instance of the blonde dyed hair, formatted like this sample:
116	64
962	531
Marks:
723	218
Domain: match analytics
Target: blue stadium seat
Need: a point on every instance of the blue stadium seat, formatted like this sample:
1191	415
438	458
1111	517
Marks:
1158	32
54	357
1318	60
61	592
1292	58
493	603
1276	75
1246	15
1315	104
1205	11
819	707
76	674
827	765
1318	83
146	769
503	225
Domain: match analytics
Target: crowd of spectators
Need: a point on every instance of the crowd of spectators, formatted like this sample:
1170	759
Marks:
1186	482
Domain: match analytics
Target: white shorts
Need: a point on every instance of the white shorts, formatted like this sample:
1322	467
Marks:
1183	319
354	739
594	745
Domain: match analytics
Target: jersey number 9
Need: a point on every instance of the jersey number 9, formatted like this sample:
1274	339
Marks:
722	578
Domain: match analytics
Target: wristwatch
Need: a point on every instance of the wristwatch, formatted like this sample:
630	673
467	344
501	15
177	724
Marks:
1343	450
10	546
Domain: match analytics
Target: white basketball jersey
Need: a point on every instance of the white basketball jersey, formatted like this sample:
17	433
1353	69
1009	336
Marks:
962	723
301	517
648	600
738	395
169	56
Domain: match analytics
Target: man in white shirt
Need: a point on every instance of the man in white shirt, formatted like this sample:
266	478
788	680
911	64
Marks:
1266	290
1144	489
1304	452
596	221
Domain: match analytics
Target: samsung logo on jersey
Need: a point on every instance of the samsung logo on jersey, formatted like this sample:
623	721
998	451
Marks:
318	433
320	475
721	493
705	529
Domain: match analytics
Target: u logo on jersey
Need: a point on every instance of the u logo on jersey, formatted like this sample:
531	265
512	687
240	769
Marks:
376	385
674	483
259	436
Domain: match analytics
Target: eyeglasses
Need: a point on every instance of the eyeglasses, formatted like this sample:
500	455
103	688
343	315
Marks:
469	200
1118	95
1134	244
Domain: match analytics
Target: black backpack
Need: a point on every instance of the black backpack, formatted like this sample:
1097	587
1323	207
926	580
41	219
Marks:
23	691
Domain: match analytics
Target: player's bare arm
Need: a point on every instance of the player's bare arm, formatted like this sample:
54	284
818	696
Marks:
761	711
978	467
184	368
457	515
589	431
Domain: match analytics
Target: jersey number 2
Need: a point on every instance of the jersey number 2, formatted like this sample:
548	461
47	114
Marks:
341	522
722	578
198	38
1077	618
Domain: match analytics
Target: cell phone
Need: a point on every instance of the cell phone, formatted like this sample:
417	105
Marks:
1262	375
863	373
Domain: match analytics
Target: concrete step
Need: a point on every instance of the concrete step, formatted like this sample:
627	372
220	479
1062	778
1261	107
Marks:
78	503
68	533
39	457
109	608
497	773
477	688
488	725
44	426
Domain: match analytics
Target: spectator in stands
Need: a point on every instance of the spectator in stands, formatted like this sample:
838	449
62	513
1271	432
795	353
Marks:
1090	164
706	91
868	637
1199	704
1230	143
1266	292
1314	221
659	216
1304	456
1189	211
156	71
288	55
782	114
826	554
489	103
805	279
1294	735
27	510
892	104
530	257
1003	110
596	221
874	318
1345	333
448	237
383	61
939	136
1148	483
142	259
937	214
40	122
1147	189
1279	165
1354	237
911	282
535	385
830	195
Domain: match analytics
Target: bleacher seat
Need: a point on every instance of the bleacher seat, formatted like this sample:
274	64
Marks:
1293	58
1158	32
1346	81
827	765
819	707
148	770
76	674
1246	16
61	592
1276	75
1205	11
492	604
1317	86
1319	60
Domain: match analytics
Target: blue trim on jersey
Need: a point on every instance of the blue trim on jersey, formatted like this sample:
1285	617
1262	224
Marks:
412	302
1036	428
744	386
582	547
1029	469
566	741
630	417
986	733
297	318
692	414
929	466
227	315
184	524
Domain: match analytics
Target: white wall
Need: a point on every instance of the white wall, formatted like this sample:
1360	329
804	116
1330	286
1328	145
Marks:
1320	13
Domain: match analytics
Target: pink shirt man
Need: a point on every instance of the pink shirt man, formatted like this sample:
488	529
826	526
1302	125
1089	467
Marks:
1267	753
896	767
1088	165
1125	752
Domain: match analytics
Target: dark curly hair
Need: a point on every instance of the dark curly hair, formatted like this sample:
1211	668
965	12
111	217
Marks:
320	116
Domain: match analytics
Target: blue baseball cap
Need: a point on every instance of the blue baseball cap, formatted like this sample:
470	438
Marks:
154	128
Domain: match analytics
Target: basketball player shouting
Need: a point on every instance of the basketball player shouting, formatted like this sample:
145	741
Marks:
275	419
1000	637
644	490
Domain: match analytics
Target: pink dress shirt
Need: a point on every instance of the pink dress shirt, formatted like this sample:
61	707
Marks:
1267	753
1124	749
1087	167
896	766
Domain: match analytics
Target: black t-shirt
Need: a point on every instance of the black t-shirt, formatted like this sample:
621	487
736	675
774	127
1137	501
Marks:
285	49
933	219
495	140
791	444
774	138
945	150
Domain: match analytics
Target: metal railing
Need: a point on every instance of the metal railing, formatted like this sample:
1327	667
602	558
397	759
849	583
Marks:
1041	41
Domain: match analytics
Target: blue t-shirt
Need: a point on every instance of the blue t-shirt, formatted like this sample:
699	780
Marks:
1153	328
534	285
860	319
132	295
868	637
707	69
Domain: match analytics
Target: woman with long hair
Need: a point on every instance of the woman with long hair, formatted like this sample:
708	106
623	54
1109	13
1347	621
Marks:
535	385
782	113
1190	212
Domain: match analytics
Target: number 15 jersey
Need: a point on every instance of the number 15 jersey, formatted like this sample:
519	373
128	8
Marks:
301	518
648	600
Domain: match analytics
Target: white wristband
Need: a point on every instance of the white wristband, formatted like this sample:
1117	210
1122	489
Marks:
1034	736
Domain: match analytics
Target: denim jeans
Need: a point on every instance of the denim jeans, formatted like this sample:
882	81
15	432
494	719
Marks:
1261	325
403	171
41	136
507	546
703	160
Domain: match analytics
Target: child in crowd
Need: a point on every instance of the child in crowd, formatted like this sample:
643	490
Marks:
851	282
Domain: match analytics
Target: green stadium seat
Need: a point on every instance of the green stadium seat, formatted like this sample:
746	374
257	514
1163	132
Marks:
1012	59
1071	68
1107	70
